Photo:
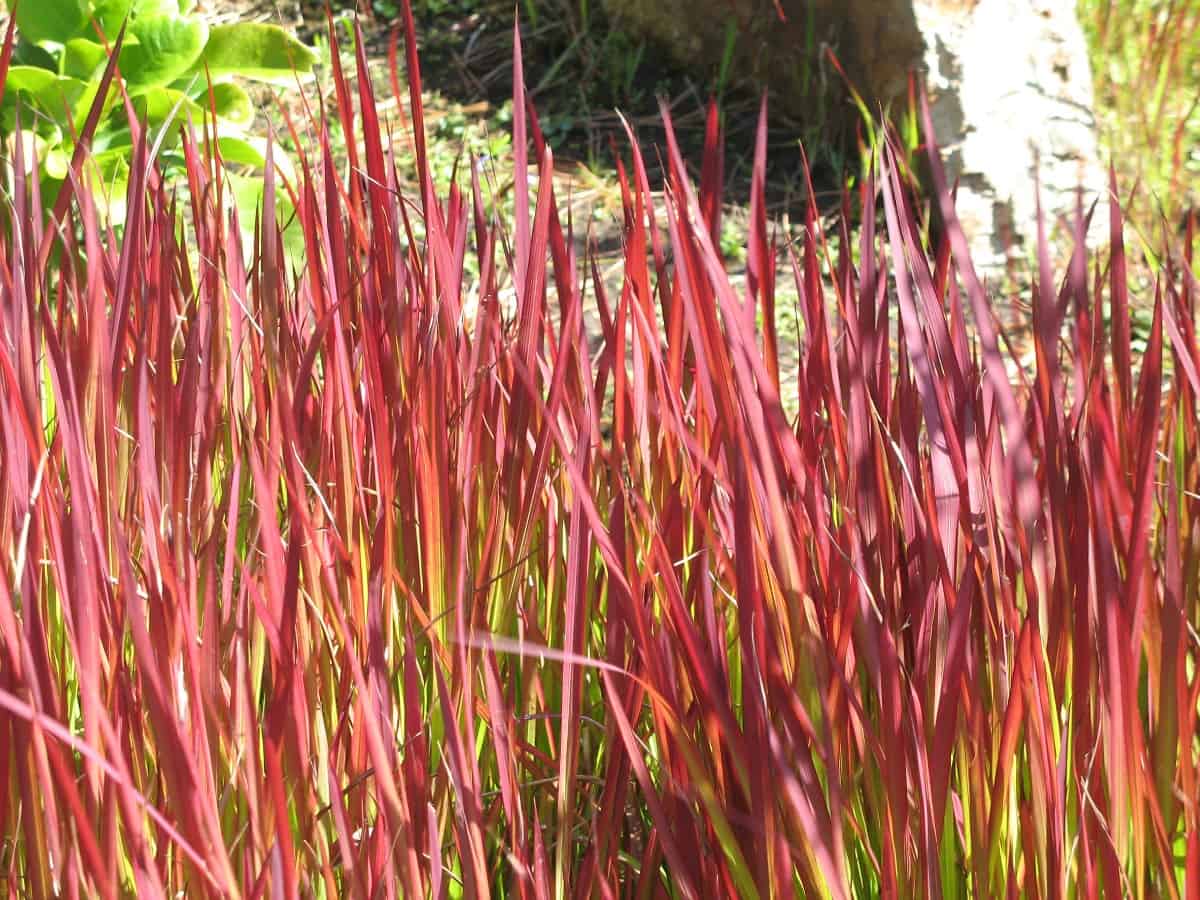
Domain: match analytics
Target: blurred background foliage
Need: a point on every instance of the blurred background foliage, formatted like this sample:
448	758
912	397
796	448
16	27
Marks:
581	67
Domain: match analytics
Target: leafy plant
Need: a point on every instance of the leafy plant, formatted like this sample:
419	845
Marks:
173	68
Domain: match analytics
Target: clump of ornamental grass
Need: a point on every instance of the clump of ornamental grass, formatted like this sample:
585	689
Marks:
318	585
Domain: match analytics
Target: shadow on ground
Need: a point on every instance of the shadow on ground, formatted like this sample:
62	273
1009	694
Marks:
580	70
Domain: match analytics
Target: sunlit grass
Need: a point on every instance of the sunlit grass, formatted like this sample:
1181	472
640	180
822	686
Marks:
320	586
1146	63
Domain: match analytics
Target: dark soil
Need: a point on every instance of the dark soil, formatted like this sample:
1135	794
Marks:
579	74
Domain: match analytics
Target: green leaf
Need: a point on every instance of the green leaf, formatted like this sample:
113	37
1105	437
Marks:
113	136
83	106
248	197
252	151
111	14
33	146
161	105
53	94
51	20
258	51
231	101
83	58
30	79
27	54
164	49
57	162
107	174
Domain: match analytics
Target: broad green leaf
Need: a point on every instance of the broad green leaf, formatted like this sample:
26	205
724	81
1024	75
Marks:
83	58
51	20
30	79
63	95
110	166
33	147
172	162
169	8
160	105
56	162
53	94
258	51
165	48
27	54
113	136
252	151
231	101
108	176
83	106
114	139
111	14
248	198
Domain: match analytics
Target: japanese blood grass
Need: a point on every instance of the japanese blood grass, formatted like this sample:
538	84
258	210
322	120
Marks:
316	586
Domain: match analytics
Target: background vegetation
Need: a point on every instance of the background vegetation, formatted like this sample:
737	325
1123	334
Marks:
583	67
